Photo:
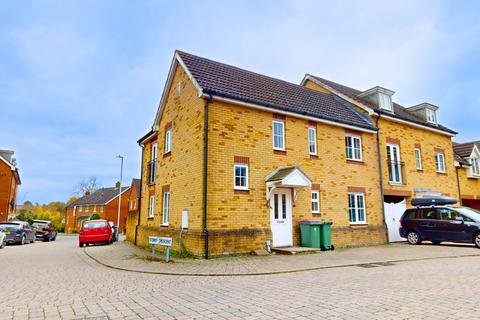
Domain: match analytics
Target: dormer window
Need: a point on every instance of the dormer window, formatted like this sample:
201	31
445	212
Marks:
385	101
431	116
475	166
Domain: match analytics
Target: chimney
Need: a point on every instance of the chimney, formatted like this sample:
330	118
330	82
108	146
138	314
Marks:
87	193
117	185
7	155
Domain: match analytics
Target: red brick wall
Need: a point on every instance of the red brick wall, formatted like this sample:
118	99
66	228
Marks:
8	189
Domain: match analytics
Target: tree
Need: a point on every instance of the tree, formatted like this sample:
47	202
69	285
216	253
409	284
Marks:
87	186
95	216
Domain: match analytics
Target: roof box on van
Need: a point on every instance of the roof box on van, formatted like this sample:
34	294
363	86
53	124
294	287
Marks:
432	201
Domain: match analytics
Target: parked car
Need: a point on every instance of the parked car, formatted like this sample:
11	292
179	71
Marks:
3	238
44	230
19	232
95	231
439	222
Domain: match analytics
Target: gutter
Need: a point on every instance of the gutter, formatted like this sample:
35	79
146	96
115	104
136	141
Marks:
205	175
380	172
139	198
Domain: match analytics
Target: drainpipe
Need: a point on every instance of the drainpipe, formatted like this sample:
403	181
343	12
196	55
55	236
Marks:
458	186
140	198
205	172
380	171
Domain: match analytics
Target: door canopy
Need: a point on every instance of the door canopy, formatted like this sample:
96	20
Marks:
287	177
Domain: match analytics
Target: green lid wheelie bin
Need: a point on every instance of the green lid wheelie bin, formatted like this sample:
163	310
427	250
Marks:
326	236
310	233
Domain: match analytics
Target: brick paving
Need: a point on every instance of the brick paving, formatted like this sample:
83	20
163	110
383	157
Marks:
57	280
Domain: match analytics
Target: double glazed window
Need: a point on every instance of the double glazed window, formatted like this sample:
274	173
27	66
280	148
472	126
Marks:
394	164
475	167
418	159
168	140
278	135
431	117
353	148
440	162
315	201
152	164
240	176
356	208
312	140
166	208
151	207
385	101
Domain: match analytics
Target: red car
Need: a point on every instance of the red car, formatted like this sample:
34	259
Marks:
95	231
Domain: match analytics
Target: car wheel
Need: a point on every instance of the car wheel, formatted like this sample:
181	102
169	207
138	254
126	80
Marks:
47	239
413	237
476	240
80	244
54	238
436	242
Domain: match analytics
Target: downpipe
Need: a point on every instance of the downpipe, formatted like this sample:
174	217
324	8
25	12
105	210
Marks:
380	171
205	175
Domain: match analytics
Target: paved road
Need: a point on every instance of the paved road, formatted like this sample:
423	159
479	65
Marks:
57	281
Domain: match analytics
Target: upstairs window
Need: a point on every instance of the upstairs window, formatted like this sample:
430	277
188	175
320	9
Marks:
353	148
475	166
80	209
418	159
312	140
385	102
168	140
440	162
240	179
431	116
278	135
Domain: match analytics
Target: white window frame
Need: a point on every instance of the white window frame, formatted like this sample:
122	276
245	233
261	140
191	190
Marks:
154	152
431	116
240	165
166	208
474	166
80	208
101	208
151	207
315	201
357	195
438	156
95	208
418	159
282	123
385	102
87	208
168	140
312	143
352	138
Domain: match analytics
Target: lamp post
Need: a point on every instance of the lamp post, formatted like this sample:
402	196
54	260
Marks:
119	195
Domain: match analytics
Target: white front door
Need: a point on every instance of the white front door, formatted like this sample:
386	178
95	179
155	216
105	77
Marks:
393	213
281	217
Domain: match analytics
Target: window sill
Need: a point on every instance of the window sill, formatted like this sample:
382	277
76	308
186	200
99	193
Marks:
419	170
395	183
167	154
278	151
473	177
150	218
359	224
316	213
359	162
241	191
313	156
164	225
442	173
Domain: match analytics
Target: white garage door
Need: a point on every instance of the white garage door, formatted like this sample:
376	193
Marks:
393	213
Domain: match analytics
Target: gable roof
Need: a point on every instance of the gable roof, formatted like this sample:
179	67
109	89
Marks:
222	81
399	112
463	151
13	168
135	185
101	196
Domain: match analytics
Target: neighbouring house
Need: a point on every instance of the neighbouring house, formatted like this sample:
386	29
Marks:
9	182
416	151
133	209
104	201
467	163
236	159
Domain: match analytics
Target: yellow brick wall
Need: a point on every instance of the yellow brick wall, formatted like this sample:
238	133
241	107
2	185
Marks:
469	187
408	136
182	170
241	131
428	141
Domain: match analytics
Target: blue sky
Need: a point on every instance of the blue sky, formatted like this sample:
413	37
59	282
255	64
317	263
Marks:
80	81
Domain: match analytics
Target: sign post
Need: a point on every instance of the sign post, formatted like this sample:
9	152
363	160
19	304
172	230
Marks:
163	241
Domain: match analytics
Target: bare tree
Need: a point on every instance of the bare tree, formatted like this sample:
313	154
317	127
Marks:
87	186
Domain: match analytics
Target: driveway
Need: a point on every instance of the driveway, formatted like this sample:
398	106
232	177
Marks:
57	280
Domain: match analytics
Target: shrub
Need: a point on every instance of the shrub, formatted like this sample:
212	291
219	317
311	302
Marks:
94	216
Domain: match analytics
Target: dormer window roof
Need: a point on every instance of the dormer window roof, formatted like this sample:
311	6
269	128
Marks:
426	111
381	97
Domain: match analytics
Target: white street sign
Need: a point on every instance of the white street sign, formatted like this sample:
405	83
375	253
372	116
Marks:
162	241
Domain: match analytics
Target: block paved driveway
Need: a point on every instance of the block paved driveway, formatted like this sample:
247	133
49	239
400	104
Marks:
57	280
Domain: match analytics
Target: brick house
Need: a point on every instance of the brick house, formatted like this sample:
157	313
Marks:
235	159
467	164
104	201
416	151
133	207
9	182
